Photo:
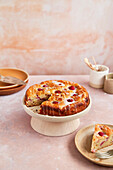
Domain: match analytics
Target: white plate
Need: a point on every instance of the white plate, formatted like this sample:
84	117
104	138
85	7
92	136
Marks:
83	140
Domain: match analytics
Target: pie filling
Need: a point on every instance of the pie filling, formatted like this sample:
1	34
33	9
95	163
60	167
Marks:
36	101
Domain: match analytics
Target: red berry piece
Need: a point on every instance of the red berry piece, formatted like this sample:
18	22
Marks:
100	127
55	102
57	91
39	89
75	94
60	84
102	143
101	133
70	100
44	99
65	89
71	88
38	97
45	85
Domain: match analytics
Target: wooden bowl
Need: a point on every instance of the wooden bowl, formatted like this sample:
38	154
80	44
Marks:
11	90
18	73
55	125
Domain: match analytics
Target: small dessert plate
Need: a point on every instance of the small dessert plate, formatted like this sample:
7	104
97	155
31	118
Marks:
83	141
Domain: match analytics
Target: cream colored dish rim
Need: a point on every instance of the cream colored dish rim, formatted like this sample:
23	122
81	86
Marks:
57	118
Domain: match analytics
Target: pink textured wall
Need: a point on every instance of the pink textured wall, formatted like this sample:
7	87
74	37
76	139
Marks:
54	36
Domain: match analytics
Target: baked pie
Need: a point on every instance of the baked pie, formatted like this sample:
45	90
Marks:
102	137
57	97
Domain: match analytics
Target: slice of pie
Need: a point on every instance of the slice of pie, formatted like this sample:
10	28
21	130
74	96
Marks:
102	137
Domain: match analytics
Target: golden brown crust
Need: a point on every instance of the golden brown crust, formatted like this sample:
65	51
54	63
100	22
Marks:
70	97
104	128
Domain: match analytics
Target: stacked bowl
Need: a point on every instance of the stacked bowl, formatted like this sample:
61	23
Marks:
6	88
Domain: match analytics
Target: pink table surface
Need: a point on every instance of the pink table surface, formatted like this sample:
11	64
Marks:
21	148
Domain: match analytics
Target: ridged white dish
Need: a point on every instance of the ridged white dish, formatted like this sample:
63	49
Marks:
55	125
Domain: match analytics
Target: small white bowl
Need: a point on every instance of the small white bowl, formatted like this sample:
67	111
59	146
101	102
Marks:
96	79
55	125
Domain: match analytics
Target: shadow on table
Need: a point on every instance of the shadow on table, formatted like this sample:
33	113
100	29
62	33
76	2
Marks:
18	124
